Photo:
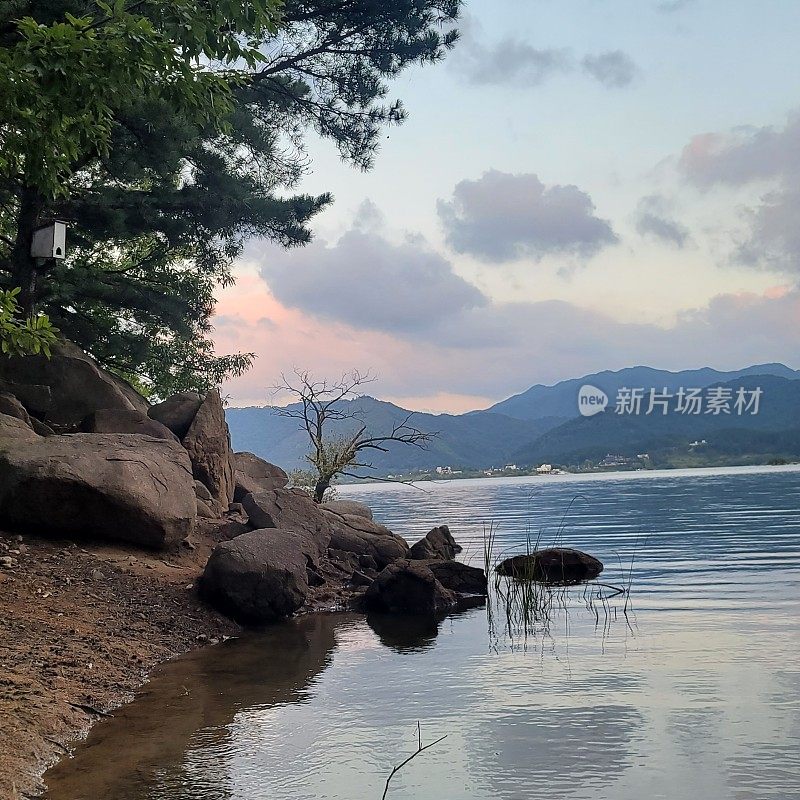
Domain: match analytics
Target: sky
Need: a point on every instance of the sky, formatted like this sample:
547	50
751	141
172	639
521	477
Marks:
581	185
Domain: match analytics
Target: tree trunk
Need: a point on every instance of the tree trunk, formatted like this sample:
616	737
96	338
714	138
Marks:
23	266
323	484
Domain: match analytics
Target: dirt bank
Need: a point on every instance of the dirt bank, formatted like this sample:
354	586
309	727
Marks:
80	626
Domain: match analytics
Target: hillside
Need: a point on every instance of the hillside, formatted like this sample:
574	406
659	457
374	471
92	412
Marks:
771	432
560	400
478	439
542	424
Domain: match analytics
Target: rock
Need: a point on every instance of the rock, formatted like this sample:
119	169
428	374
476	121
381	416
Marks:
204	510
41	428
125	420
108	486
97	575
208	443
408	587
438	543
7	562
350	508
77	385
10	406
259	576
458	577
35	397
232	528
14	428
291	509
360	579
556	565
363	537
177	412
201	492
254	474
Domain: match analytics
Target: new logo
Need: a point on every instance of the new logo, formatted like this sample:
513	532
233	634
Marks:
591	400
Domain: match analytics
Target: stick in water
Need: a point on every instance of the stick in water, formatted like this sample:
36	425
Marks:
420	749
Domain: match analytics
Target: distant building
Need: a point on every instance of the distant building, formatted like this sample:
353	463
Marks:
544	469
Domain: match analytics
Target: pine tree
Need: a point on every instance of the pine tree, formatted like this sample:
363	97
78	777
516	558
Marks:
160	205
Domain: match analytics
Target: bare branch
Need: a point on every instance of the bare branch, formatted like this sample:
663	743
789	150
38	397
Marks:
321	404
420	749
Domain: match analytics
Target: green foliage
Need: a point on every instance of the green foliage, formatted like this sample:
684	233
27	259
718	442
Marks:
62	83
172	154
33	335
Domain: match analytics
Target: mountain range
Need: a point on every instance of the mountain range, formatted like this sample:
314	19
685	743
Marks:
542	424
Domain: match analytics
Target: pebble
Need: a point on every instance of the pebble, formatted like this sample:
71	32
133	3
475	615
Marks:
97	575
8	562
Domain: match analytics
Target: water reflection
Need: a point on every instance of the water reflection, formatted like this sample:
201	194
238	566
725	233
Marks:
700	697
190	704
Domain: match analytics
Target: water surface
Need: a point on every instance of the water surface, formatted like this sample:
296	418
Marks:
694	694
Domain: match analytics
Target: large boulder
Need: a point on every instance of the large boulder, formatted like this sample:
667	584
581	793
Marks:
177	412
254	474
125	420
363	537
12	407
75	385
458	577
408	587
290	509
106	486
12	428
438	543
350	508
259	576
555	565
208	443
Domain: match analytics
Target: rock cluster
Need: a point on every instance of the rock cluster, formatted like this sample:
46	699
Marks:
82	454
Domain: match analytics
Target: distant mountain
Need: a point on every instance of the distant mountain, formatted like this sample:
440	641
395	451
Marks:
561	399
542	424
775	430
479	439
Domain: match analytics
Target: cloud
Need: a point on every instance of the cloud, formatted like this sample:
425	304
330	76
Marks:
653	220
671	6
614	69
503	217
368	281
514	61
496	349
756	155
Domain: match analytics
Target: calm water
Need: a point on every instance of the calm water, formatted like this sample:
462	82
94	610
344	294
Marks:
695	695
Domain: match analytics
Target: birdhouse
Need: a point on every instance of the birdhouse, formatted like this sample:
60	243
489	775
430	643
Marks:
50	241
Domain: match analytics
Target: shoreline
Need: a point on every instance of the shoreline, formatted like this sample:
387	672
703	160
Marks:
81	627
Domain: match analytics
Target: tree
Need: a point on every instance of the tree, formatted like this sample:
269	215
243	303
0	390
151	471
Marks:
20	337
338	435
162	198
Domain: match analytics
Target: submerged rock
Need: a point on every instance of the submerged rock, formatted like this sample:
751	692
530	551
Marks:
259	576
408	587
556	565
108	486
437	544
459	577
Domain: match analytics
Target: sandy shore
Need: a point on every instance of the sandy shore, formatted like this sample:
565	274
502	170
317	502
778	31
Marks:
80	627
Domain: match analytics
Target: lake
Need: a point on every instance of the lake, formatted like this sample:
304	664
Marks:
690	689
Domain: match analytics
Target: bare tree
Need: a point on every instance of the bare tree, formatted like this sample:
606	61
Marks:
320	405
